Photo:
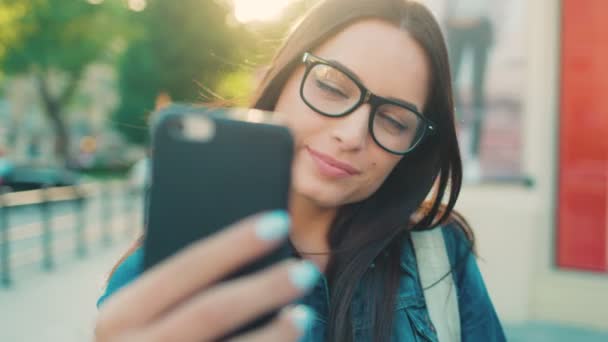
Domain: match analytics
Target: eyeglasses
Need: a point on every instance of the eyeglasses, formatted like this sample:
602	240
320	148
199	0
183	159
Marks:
330	90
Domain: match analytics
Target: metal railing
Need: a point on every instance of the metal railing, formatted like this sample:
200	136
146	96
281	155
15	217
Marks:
96	213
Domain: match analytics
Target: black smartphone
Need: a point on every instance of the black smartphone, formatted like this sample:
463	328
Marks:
211	168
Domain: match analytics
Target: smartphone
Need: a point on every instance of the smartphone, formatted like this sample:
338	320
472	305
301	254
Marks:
211	168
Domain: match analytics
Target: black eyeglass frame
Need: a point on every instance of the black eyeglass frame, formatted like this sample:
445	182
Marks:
367	96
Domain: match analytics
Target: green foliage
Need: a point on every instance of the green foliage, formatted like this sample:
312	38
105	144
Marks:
192	52
57	34
237	87
139	85
193	44
184	50
10	12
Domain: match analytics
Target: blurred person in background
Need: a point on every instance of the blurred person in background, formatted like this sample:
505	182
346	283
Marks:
365	88
469	28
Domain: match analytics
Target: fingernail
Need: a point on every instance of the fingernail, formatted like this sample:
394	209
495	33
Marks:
273	226
302	316
304	275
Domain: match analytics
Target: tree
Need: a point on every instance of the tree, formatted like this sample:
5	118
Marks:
184	50
54	41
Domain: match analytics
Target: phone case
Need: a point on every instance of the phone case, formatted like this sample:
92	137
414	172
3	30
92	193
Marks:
207	176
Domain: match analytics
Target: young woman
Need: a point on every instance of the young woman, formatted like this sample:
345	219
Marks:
365	88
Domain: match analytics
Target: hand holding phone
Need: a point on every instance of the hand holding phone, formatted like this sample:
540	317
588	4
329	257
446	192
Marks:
180	299
208	277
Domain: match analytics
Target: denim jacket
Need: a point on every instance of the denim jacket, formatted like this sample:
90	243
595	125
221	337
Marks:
478	319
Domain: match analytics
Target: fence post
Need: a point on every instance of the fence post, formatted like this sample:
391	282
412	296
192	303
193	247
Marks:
47	231
4	240
80	228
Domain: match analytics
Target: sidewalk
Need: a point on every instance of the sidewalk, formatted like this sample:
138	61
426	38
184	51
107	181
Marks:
57	306
60	306
550	332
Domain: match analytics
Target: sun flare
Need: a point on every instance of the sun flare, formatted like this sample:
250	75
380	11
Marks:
258	10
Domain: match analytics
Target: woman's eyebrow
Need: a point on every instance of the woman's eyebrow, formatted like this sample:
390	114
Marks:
346	69
352	74
403	103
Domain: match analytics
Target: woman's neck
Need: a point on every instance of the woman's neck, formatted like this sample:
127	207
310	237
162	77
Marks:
310	226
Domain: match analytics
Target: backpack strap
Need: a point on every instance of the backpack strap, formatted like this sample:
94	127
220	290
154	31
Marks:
441	299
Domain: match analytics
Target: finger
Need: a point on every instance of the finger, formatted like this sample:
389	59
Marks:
193	269
290	325
223	308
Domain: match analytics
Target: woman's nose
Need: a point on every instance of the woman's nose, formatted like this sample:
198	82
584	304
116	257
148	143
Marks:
351	131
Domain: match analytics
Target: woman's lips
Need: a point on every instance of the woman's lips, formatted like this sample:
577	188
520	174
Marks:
331	167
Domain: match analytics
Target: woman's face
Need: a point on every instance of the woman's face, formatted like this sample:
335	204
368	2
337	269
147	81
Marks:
336	160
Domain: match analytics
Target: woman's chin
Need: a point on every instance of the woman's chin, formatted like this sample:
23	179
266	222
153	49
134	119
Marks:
320	194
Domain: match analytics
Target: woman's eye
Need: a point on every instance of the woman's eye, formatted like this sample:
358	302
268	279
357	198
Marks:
394	123
330	89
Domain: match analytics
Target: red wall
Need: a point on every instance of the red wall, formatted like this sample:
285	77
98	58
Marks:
582	215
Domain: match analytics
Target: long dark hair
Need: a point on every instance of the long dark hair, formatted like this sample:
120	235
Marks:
373	230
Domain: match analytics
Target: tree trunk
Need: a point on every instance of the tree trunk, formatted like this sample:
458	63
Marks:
62	138
53	107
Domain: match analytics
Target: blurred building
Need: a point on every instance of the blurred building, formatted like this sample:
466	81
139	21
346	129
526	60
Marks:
24	134
544	246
